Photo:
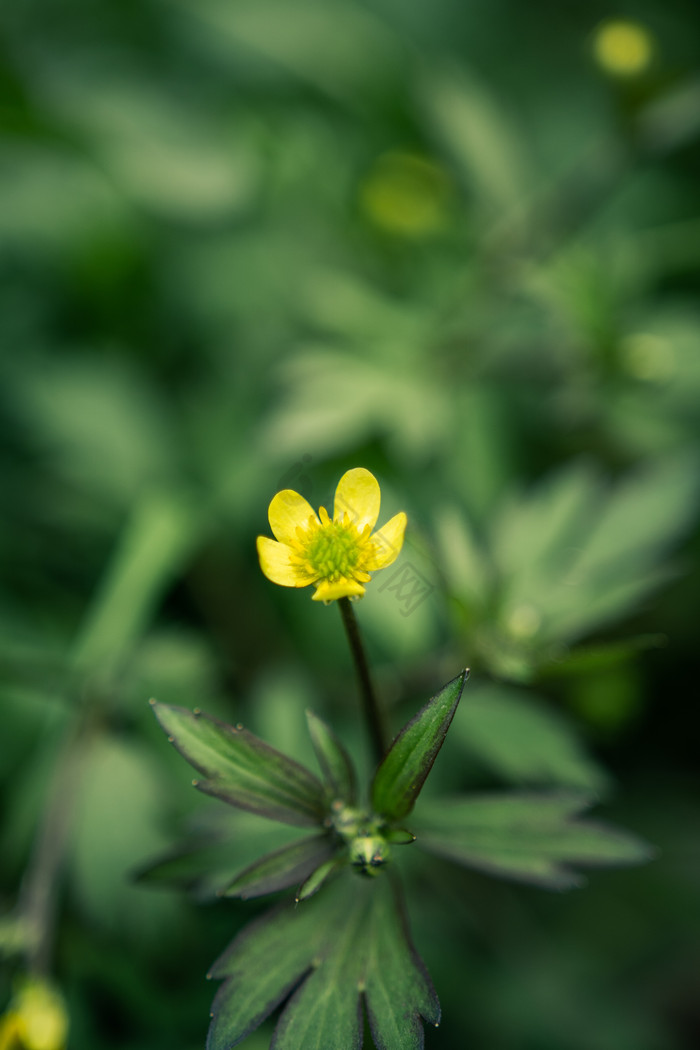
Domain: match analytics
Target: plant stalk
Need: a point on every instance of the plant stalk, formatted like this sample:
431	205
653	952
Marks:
370	706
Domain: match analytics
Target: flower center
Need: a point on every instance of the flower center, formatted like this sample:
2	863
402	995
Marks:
333	551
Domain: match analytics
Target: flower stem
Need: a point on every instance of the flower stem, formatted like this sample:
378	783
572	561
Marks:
40	885
370	706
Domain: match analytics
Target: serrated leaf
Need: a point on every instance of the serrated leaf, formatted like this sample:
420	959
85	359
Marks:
528	837
242	769
349	940
336	767
398	990
524	741
404	768
288	866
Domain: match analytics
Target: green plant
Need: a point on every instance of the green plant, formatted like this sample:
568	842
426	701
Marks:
342	939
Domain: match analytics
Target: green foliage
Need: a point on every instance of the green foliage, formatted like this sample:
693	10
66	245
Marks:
564	559
402	771
241	769
533	838
349	944
249	244
522	740
356	941
338	771
285	867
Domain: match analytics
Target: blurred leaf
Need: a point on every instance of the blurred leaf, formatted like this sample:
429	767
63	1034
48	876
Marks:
338	47
100	422
477	131
336	766
242	769
291	865
404	768
525	742
572	555
159	147
348	940
585	659
50	198
531	838
389	392
118	824
463	558
158	537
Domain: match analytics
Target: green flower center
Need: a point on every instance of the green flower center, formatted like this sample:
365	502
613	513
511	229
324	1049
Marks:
333	552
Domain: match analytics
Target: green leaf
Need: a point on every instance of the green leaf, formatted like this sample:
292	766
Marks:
587	659
336	766
524	741
575	553
290	865
242	769
209	858
317	878
350	940
403	770
528	837
398	990
157	539
117	822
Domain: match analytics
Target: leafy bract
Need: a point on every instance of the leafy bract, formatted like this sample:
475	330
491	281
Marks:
528	837
404	768
349	942
242	769
522	740
336	767
285	867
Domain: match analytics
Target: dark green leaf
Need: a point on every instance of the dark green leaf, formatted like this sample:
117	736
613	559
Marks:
317	878
210	857
524	741
336	766
403	770
242	769
285	867
349	940
532	838
398	990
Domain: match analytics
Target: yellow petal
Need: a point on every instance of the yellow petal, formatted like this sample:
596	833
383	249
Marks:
275	563
287	511
358	496
387	542
329	592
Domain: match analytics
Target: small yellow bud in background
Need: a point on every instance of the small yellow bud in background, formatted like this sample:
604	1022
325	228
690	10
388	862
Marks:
623	48
36	1019
406	194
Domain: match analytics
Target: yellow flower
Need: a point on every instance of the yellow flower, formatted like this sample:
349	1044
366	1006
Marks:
623	48
35	1020
336	556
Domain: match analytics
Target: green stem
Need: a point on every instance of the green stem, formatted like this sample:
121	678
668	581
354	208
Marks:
40	885
370	707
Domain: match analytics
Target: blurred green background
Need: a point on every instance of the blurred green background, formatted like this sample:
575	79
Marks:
246	245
